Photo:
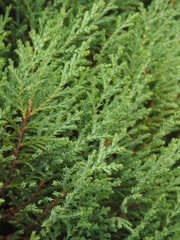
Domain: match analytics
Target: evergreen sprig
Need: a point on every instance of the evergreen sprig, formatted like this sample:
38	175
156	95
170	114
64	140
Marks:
89	119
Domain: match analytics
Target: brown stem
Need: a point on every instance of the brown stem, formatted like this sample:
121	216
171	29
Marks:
152	104
16	150
5	125
132	205
107	142
146	71
172	3
45	212
13	211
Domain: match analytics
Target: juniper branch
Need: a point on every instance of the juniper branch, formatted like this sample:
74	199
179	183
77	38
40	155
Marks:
11	212
17	149
45	212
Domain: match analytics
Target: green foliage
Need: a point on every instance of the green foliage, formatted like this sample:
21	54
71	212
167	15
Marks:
89	119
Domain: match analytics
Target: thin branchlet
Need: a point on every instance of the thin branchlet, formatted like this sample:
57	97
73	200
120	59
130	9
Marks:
17	149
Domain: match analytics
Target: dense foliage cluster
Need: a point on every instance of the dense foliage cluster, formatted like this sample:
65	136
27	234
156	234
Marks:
89	119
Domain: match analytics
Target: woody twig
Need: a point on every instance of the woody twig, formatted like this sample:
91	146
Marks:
45	212
172	3
16	150
13	211
132	206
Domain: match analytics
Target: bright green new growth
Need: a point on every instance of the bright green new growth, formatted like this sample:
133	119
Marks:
89	119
